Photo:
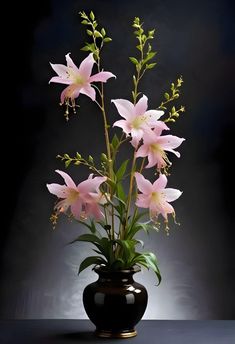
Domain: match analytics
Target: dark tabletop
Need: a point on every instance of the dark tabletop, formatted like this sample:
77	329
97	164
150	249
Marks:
149	332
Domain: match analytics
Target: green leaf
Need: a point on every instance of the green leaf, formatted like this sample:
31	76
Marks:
90	227
139	215
93	227
136	227
78	156
97	34
167	96
107	39
149	56
103	157
120	192
151	33
111	183
85	22
118	264
67	163
128	247
151	65
103	32
89	32
66	156
91	160
90	261
92	16
122	169
87	238
106	247
149	260
115	141
134	60
83	14
86	48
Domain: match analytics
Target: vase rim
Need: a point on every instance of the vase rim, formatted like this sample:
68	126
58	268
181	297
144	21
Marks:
103	269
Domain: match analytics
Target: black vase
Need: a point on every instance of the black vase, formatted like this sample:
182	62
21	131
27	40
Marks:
115	303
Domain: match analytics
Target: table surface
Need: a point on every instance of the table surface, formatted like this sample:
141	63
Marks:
149	332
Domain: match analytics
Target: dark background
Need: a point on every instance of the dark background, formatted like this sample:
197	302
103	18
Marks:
194	39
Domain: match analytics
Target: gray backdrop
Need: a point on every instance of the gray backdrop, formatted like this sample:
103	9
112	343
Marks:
39	271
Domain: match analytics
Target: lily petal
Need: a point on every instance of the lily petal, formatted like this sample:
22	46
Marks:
170	141
152	117
59	80
91	185
101	77
124	125
160	183
72	92
71	64
143	184
141	106
93	209
172	194
68	180
137	135
86	66
160	126
152	160
143	201
142	151
76	209
125	108
89	91
60	69
57	190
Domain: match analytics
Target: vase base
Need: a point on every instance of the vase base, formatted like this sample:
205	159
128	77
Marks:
115	334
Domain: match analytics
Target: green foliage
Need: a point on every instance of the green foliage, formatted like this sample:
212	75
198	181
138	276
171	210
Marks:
98	36
93	260
143	61
171	96
149	261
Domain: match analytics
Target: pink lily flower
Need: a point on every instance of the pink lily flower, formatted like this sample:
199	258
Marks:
78	79
137	119
155	196
83	199
154	148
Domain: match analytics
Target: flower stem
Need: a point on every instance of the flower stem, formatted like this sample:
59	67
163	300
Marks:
130	188
140	170
106	134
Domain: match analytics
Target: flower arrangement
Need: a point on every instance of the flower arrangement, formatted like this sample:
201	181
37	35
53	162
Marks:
100	199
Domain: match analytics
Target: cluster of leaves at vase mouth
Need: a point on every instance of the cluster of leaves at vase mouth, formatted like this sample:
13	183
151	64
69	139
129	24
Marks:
116	249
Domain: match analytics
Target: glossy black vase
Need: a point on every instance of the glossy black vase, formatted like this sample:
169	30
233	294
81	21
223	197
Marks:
115	303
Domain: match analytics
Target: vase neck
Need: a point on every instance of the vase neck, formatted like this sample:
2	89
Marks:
122	276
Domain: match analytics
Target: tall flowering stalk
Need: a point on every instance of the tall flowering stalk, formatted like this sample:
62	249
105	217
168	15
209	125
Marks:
99	200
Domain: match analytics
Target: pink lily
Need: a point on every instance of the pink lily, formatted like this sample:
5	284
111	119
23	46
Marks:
78	79
155	196
154	148
137	119
82	198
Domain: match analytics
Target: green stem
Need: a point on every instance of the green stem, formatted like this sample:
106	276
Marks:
140	170
130	191
106	134
135	95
